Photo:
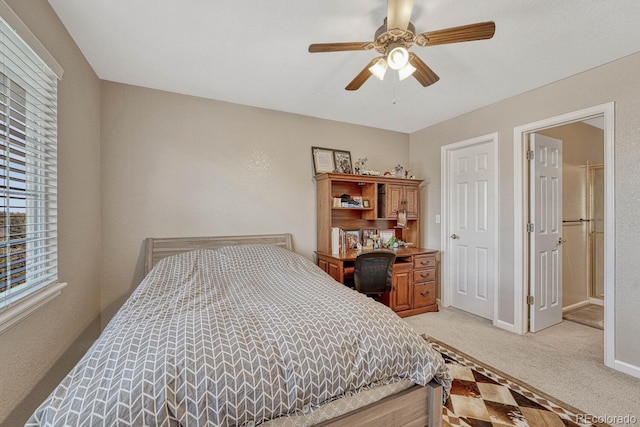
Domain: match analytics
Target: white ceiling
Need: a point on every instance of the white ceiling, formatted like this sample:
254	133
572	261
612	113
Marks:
254	52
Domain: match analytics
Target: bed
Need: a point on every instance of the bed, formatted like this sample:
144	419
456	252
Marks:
241	330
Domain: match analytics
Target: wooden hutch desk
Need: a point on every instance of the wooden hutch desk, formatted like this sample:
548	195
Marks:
415	275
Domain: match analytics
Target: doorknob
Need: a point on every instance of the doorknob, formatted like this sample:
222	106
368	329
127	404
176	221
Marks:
454	236
561	240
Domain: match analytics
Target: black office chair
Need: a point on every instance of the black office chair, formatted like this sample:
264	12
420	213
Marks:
373	272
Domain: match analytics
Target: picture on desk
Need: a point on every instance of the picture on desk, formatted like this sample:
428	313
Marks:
369	236
352	238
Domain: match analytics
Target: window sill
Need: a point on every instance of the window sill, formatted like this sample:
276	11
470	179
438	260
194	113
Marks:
28	305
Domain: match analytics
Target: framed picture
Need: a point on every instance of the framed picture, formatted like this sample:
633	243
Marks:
369	235
323	160
352	238
343	161
365	203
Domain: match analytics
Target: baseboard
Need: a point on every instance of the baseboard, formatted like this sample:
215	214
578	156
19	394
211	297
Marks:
506	326
596	301
574	306
627	368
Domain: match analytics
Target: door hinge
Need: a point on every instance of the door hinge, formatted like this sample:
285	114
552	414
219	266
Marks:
530	155
530	299
530	227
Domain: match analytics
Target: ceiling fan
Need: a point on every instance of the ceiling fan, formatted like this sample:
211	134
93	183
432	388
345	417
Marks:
396	36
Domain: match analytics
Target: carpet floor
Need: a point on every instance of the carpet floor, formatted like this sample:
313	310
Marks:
483	396
590	315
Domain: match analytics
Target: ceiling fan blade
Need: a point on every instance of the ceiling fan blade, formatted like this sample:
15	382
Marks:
399	13
423	73
337	47
464	33
362	77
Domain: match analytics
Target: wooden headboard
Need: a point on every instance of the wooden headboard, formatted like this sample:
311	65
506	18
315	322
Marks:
158	248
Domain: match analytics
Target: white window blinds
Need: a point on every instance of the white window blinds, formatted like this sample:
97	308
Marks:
28	170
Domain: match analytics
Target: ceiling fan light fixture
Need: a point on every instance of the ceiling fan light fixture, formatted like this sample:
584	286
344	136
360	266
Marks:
406	71
379	68
397	57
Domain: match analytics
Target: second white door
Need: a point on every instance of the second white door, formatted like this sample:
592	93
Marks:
472	246
545	187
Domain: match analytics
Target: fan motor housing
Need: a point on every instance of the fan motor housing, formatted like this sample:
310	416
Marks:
384	37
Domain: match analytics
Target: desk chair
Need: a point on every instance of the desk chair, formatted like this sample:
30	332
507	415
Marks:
373	272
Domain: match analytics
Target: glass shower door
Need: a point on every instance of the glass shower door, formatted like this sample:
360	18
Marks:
596	250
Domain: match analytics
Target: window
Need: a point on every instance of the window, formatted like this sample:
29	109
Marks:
28	170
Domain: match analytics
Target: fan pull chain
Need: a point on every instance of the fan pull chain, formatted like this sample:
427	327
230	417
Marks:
393	88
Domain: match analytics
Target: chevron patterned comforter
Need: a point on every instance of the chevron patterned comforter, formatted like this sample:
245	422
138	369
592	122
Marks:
236	336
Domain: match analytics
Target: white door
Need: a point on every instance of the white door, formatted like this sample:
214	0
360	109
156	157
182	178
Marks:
545	183
471	219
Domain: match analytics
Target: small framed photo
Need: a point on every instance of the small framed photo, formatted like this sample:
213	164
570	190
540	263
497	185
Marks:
352	238
369	238
368	233
365	203
343	161
323	160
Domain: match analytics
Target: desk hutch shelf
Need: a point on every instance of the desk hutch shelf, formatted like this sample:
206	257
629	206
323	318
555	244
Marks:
385	197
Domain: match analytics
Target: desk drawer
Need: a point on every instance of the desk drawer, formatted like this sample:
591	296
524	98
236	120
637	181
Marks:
425	275
424	261
424	294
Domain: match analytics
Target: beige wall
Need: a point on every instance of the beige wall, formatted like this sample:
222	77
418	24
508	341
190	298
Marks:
616	82
31	348
582	144
176	165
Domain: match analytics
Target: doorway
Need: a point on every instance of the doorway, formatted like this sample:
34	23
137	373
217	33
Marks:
521	203
581	232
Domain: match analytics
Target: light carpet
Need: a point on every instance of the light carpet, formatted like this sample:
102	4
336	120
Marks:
590	315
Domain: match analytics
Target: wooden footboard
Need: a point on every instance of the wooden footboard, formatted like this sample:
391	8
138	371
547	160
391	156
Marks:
414	407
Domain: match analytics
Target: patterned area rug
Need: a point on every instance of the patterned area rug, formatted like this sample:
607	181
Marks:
485	397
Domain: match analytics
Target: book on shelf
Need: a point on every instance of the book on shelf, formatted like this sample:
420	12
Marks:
336	239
